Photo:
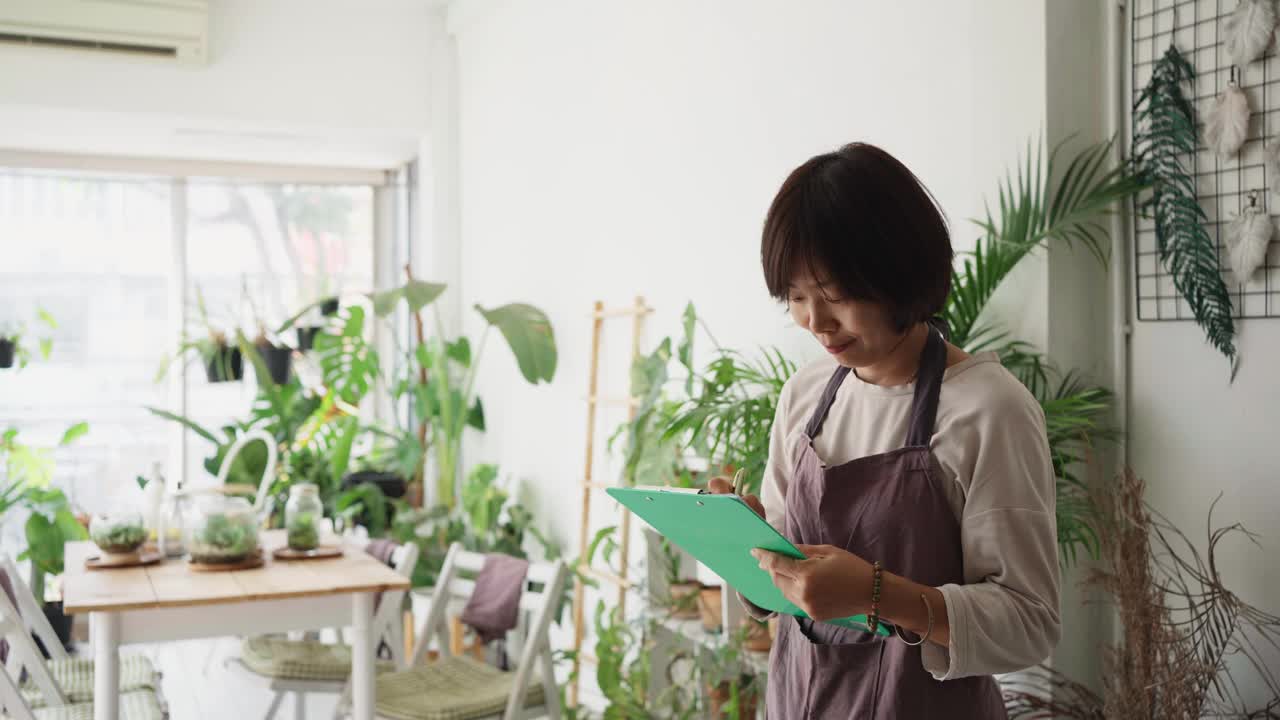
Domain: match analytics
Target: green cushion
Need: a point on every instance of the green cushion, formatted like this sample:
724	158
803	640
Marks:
454	688
137	705
75	677
279	657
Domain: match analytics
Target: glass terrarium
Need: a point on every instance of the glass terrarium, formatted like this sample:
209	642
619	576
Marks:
224	530
302	517
118	533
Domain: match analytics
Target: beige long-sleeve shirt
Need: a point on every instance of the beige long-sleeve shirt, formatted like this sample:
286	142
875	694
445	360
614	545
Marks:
989	438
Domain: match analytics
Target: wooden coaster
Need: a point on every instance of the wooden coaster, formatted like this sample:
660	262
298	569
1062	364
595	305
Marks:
324	551
253	561
135	559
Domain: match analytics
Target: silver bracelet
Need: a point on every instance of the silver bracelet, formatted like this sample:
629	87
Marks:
928	631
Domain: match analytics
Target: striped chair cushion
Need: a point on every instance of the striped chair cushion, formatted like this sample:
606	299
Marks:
75	677
137	705
280	657
454	688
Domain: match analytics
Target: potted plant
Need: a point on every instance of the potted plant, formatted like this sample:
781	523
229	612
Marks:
12	349
710	609
9	339
27	473
733	690
226	531
759	637
277	358
682	592
118	534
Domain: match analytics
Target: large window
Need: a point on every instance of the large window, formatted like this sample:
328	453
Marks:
119	262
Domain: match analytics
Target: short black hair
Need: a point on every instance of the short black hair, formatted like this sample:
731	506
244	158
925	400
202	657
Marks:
866	220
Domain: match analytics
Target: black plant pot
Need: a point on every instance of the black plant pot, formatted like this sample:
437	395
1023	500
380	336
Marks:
329	307
7	349
226	364
391	484
61	623
307	336
278	361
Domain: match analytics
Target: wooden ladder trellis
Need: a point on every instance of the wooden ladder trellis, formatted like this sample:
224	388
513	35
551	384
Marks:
637	312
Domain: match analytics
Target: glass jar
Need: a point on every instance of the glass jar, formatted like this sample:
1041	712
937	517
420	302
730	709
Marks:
302	517
224	530
118	533
171	530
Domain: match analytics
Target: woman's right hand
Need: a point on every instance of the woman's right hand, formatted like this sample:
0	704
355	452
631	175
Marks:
721	485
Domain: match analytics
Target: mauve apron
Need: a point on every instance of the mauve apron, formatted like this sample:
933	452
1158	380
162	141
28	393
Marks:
888	507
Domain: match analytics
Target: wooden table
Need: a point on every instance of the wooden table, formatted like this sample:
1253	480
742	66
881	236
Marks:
168	601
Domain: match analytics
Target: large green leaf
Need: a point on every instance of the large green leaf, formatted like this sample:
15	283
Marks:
348	363
191	425
1164	133
416	293
529	334
74	433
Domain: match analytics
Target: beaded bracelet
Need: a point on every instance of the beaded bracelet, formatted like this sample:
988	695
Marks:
873	618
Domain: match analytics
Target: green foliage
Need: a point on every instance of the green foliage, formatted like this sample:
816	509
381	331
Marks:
528	333
224	539
488	522
724	417
1164	132
119	538
439	374
301	532
1038	205
364	504
16	333
49	527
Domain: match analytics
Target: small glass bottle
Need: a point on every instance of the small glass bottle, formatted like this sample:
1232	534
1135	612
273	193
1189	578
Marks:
302	517
171	533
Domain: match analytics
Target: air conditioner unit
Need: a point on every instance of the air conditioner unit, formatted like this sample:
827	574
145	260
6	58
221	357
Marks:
173	29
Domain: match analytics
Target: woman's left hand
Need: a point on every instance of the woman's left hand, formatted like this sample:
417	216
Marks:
829	583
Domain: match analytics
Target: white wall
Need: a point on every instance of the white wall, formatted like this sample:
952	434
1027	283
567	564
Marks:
339	82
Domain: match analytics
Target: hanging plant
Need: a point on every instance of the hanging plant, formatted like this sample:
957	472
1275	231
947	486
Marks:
1164	132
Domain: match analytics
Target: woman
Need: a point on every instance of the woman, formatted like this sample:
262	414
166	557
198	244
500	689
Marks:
915	478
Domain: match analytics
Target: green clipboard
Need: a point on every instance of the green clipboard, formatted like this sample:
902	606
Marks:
720	531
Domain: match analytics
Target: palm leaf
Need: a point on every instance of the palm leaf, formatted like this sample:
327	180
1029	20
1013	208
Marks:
1037	204
1163	133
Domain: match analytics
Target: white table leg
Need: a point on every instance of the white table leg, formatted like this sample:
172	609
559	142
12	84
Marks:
105	637
362	661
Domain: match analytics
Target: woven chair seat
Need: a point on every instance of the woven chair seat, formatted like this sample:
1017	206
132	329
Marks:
75	677
136	705
282	658
454	688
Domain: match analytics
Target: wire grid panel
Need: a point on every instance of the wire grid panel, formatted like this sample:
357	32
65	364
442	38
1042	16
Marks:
1222	186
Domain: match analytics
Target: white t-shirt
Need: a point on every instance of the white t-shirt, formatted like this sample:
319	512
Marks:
989	437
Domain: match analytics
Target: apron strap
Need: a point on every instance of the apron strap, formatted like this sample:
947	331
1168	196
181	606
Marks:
824	403
924	406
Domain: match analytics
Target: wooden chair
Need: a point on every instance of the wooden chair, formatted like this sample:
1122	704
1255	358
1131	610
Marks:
72	676
311	666
51	701
459	687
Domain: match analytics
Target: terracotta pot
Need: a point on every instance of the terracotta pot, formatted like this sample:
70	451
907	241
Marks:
710	609
758	637
684	602
748	698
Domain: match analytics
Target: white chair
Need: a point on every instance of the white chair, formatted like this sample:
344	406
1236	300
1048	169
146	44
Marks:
73	676
462	688
309	666
45	698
